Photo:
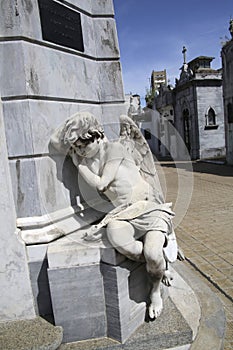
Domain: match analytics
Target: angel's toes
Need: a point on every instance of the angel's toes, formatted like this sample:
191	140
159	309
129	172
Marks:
155	309
166	281
167	278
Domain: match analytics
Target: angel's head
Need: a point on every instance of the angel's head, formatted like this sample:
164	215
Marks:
83	133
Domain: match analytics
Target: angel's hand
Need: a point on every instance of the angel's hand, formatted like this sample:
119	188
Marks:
102	189
92	234
75	157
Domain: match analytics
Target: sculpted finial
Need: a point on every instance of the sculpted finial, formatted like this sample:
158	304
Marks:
231	27
184	53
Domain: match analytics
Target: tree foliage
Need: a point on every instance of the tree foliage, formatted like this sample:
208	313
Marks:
149	97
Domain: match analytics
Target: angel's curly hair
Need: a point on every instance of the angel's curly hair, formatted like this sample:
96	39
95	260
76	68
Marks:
82	126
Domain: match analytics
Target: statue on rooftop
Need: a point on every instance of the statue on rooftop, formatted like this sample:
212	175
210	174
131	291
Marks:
140	226
186	71
231	27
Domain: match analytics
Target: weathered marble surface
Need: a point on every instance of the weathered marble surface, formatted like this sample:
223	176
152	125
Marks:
16	293
27	137
30	27
38	265
78	301
120	288
33	75
126	289
51	82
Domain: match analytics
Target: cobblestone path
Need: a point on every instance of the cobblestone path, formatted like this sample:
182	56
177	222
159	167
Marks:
205	233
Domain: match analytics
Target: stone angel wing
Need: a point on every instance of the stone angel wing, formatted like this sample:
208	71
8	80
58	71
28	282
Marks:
133	140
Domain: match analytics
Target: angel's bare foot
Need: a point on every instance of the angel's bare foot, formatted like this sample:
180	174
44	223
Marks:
155	265
156	305
167	278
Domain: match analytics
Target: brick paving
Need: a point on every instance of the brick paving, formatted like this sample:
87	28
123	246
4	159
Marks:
206	232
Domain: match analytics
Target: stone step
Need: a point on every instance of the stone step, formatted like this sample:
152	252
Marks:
168	331
36	334
193	318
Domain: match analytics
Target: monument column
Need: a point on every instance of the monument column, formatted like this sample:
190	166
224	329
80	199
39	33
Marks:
16	294
56	58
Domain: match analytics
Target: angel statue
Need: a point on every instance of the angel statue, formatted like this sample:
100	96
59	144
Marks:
140	225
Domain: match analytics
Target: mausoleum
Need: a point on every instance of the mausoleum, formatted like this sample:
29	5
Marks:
227	65
196	104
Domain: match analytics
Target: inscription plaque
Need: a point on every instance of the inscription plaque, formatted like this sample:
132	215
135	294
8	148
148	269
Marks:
61	25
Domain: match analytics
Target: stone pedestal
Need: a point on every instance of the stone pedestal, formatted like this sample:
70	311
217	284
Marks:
126	290
95	291
78	301
38	266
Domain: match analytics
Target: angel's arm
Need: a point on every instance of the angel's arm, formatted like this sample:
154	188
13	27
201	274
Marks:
114	157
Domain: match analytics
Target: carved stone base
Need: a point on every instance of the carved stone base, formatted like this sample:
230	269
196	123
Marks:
95	291
78	302
126	289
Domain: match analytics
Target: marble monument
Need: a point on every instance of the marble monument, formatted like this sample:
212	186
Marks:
140	225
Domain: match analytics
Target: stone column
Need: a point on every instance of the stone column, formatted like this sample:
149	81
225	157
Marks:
16	294
46	76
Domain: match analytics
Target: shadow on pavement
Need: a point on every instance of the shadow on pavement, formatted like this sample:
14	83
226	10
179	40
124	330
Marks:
201	167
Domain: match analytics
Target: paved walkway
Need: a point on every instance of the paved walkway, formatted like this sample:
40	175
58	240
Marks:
206	232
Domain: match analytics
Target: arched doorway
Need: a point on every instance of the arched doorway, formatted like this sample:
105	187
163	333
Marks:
186	127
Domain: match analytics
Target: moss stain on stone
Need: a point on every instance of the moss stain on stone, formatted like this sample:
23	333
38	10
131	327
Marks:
20	194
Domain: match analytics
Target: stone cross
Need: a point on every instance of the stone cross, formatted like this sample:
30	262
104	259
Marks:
184	53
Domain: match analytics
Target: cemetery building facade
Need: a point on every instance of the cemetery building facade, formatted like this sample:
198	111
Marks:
165	106
158	78
227	66
197	104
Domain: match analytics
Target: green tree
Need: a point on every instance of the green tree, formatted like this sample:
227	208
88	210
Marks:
149	97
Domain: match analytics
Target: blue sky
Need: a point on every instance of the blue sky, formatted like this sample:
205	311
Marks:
152	33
